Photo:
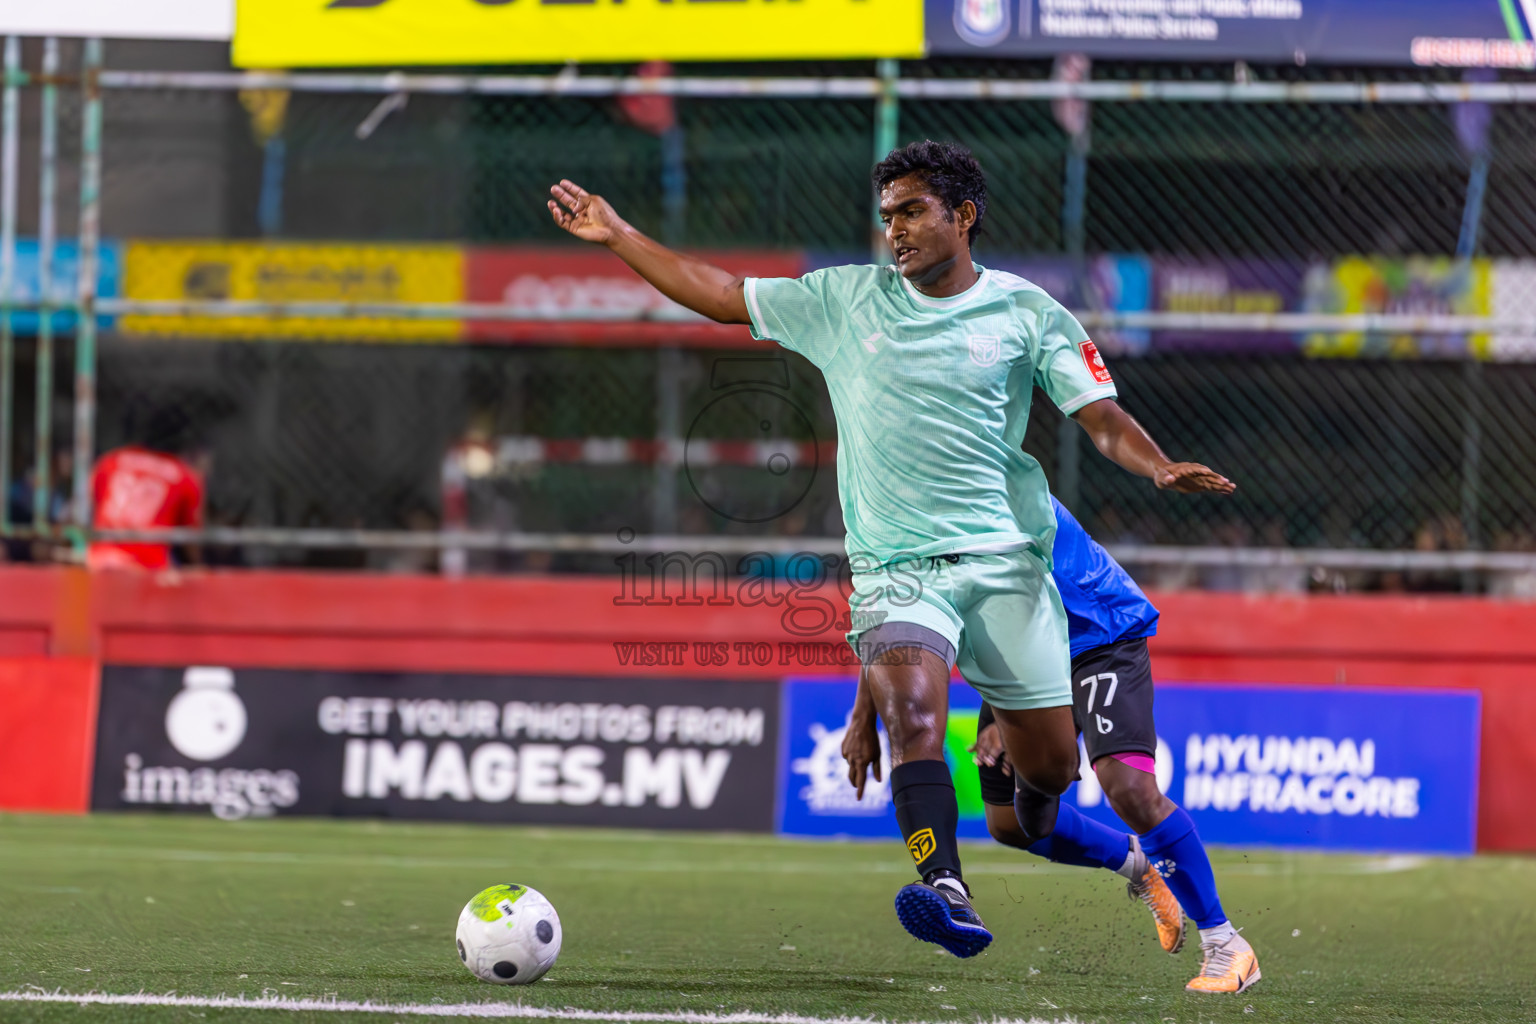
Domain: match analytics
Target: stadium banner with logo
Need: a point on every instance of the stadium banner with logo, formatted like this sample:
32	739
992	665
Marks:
318	33
817	799
1251	287
1422	285
1466	33
279	272
643	753
114	19
26	287
618	306
1353	769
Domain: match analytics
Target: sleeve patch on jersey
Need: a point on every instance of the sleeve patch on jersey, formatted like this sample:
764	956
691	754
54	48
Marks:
1095	362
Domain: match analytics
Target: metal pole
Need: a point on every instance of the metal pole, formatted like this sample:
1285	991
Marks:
47	187
669	358
1472	129
1472	207
1093	319
1472	463
835	88
887	120
9	133
85	294
1074	203
669	432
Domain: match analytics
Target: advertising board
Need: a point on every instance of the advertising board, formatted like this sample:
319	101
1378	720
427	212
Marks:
1354	769
617	307
1250	287
62	285
317	33
817	798
1413	285
113	19
651	753
1467	33
278	272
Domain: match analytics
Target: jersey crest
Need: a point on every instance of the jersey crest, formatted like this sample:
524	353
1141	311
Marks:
985	349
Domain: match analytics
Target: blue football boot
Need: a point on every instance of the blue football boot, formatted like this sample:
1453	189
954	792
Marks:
943	914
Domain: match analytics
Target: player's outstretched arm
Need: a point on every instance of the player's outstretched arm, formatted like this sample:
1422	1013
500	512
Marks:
702	287
1123	441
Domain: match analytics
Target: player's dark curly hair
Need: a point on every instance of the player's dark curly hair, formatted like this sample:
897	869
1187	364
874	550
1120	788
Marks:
948	168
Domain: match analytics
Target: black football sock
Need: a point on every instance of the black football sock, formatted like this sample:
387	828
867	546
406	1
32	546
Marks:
928	816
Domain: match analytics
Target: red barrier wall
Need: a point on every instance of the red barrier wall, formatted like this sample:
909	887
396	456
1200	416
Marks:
570	626
47	733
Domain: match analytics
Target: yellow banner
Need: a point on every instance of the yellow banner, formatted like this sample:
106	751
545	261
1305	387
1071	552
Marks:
293	272
321	33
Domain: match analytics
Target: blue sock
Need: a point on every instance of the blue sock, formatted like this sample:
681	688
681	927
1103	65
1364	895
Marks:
1174	848
1082	842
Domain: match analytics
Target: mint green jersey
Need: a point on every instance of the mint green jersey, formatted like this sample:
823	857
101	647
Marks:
932	398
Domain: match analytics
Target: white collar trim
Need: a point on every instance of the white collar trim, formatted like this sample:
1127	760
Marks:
952	301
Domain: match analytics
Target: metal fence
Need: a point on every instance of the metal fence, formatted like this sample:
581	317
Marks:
360	425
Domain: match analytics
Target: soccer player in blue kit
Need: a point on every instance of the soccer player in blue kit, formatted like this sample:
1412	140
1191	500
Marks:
931	364
1164	862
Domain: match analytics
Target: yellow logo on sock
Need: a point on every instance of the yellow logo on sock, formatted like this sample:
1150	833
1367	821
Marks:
920	845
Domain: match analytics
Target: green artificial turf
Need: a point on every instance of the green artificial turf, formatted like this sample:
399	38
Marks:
663	922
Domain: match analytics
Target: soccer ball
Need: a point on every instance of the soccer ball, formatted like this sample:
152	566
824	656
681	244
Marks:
509	935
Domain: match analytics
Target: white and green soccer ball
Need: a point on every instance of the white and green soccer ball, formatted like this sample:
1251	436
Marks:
509	935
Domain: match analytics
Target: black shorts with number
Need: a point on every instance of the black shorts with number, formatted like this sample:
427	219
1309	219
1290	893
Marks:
1111	706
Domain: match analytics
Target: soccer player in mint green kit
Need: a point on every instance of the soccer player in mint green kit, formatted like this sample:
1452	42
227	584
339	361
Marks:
931	364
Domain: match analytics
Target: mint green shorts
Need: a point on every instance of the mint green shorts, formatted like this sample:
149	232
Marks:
1002	615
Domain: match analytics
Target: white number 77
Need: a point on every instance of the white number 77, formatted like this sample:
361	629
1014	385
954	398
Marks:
1093	683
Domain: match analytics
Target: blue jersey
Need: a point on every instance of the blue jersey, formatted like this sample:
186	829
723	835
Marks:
1104	605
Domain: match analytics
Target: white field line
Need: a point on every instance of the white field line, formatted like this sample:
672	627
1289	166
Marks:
496	1011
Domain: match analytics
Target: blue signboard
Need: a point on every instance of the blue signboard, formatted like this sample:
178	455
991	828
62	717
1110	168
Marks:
815	796
1355	769
26	285
1327	31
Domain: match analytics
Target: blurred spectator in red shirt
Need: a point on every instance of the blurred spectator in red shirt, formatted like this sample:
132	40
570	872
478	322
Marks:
144	487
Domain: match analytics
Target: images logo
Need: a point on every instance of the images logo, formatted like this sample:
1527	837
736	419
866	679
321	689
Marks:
206	720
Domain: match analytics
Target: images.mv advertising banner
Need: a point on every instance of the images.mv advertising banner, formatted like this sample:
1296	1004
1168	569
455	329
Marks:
1354	769
650	753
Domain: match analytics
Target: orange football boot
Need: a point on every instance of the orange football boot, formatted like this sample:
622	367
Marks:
1228	966
1166	912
